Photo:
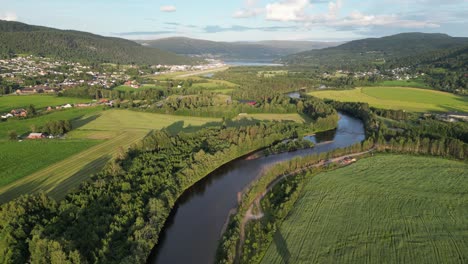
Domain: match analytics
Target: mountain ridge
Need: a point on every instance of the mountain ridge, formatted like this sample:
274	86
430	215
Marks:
21	38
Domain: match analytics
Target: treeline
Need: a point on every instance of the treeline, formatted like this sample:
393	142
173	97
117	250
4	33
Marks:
278	203
126	205
425	137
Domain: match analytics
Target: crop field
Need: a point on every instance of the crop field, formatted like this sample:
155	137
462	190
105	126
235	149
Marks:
384	209
409	99
120	128
7	103
19	159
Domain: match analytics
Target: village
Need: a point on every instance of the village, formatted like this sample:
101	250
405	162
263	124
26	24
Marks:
36	75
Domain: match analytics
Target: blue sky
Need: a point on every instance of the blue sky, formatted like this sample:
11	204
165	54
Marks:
244	20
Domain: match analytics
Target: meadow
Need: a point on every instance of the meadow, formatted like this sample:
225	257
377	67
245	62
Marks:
119	129
404	98
78	116
18	159
415	83
384	209
7	103
126	88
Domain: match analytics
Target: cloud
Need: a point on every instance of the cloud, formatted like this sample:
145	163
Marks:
237	28
288	10
9	16
168	8
141	33
250	10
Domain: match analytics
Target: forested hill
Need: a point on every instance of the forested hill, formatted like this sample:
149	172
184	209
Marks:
377	50
265	50
19	38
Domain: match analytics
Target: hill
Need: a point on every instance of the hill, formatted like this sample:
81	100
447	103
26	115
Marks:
19	38
377	50
264	50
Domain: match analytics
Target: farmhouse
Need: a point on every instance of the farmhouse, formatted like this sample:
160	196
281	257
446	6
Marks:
36	136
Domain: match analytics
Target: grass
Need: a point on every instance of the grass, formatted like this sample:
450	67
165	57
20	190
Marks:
274	117
23	126
385	209
120	128
125	88
9	102
410	99
19	159
415	83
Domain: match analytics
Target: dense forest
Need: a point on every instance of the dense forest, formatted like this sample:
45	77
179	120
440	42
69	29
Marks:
18	38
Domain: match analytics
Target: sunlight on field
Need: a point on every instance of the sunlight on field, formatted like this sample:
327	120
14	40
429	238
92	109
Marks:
410	99
386	209
274	117
121	128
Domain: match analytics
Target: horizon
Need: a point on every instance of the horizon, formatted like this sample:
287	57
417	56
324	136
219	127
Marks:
245	20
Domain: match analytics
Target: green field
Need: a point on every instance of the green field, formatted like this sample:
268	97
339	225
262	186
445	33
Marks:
410	99
19	159
7	103
79	116
409	83
125	88
274	117
385	209
120	128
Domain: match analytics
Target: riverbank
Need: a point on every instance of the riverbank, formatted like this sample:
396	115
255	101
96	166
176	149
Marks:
201	212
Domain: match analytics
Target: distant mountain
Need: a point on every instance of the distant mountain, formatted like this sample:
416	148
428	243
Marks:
264	50
19	38
377	50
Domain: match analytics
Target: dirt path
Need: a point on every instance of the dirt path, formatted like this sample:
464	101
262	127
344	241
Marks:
249	215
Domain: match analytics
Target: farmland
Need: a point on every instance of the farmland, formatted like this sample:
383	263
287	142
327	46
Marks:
19	159
385	209
121	128
78	116
39	101
410	99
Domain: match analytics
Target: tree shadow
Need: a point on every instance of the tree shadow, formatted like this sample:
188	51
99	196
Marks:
60	190
80	121
282	247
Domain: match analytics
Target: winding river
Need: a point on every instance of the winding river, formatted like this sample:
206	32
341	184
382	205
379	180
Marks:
194	227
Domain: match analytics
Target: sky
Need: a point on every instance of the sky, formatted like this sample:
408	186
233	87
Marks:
244	20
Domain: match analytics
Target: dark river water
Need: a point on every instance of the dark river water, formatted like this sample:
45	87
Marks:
194	228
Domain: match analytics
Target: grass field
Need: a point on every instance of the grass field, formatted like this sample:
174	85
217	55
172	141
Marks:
409	83
120	128
274	117
125	88
7	103
385	209
410	99
78	115
19	159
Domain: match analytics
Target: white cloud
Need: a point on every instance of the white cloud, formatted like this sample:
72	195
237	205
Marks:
168	8
250	10
9	16
288	10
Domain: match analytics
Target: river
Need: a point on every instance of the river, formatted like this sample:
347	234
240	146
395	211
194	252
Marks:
194	227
